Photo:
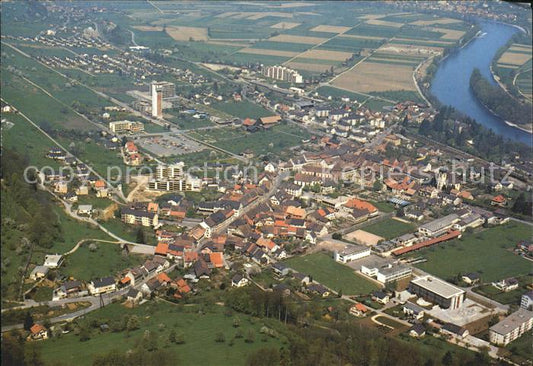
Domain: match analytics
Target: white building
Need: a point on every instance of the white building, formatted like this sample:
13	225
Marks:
53	260
511	327
386	273
282	73
526	302
437	291
102	286
350	253
126	126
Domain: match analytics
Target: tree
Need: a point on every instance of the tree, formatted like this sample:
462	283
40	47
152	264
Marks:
264	357
172	336
447	359
180	338
377	186
32	355
219	337
140	236
85	335
28	321
250	336
12	350
236	322
337	236
132	323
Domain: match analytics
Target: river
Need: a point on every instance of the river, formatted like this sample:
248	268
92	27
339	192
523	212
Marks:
451	84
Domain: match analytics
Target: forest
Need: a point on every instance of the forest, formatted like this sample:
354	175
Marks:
452	128
498	101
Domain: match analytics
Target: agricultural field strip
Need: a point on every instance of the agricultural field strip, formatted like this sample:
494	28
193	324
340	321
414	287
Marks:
285	25
368	77
318	45
514	58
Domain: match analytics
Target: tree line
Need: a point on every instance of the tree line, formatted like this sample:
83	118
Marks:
498	101
452	128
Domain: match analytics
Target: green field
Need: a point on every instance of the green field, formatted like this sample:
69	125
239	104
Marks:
244	109
389	228
199	332
106	260
273	140
511	297
336	276
487	252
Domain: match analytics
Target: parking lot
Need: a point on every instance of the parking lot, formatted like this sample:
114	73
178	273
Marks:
168	144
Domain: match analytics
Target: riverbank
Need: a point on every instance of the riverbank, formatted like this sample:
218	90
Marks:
451	82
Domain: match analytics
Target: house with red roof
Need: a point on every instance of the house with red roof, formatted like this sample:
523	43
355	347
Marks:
499	200
38	332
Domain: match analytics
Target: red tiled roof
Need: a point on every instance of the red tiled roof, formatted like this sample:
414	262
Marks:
217	259
161	248
36	328
451	235
163	277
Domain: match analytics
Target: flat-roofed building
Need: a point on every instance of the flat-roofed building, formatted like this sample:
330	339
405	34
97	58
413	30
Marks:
511	328
350	253
126	126
168	89
439	226
383	270
393	273
437	291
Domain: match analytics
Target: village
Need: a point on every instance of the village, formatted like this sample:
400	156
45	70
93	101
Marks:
259	191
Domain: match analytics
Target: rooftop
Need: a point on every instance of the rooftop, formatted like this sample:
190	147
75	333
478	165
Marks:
513	321
437	286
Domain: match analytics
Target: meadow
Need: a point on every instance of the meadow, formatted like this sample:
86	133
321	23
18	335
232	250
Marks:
106	260
389	228
336	276
488	252
198	328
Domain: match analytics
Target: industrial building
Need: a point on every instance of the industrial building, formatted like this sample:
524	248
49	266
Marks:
439	226
437	291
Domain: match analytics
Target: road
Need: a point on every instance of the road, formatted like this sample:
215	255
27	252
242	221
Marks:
94	300
222	228
135	247
119	193
158	121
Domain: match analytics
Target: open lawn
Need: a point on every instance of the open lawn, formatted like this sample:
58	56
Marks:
199	332
511	297
273	140
389	228
336	276
488	252
106	260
